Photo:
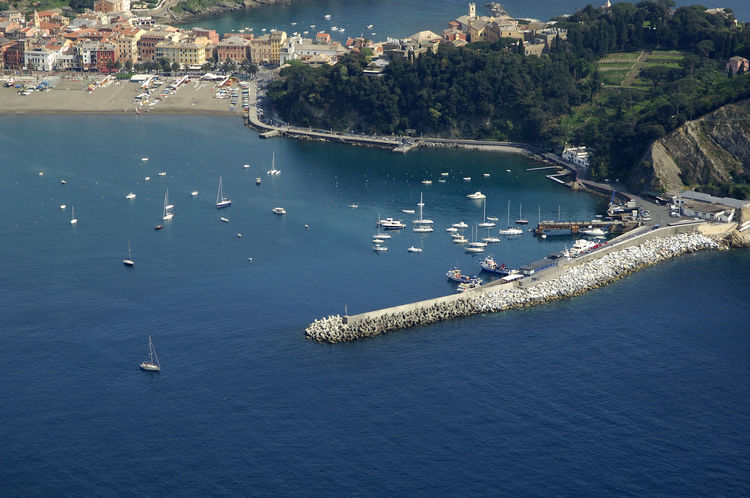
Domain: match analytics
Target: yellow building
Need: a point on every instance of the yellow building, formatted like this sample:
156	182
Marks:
267	48
126	43
192	53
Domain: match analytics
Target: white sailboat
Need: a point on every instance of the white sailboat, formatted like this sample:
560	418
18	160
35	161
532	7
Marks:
486	223
510	230
73	219
423	225
152	364
167	214
221	200
521	220
128	261
273	170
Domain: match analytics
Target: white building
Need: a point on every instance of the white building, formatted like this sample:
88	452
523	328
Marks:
708	207
39	60
577	155
298	48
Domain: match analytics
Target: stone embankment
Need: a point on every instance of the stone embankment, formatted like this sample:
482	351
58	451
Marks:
572	282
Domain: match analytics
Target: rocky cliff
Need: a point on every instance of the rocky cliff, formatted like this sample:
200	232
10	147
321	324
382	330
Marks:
711	150
190	11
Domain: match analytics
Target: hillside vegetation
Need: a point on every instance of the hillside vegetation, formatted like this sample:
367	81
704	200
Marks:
624	78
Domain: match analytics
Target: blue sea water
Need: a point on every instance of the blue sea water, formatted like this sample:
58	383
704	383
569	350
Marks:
638	388
397	18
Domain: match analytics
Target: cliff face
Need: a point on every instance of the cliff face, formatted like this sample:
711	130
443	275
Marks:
712	149
209	9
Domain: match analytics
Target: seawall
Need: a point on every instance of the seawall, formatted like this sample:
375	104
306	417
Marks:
569	279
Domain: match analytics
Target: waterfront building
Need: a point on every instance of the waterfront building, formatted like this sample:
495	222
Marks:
126	42
234	48
708	207
211	34
537	266
266	49
147	43
39	59
184	53
303	49
577	155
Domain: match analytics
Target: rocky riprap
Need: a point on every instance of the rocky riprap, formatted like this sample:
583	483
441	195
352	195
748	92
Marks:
573	282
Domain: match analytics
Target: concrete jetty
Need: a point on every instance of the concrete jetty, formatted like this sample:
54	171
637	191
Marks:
566	280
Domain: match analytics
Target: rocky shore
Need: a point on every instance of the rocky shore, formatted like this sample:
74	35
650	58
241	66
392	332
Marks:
573	282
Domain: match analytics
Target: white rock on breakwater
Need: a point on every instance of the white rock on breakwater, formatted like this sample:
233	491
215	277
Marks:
574	281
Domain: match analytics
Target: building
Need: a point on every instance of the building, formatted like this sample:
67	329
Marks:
303	49
537	266
186	54
708	207
39	59
126	42
266	49
234	48
106	58
737	64
109	6
577	155
147	44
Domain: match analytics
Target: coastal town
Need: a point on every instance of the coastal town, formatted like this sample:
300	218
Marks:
113	37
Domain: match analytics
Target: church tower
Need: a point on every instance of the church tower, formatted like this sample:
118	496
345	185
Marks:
37	21
472	11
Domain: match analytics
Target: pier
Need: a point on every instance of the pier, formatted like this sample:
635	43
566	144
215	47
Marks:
628	253
574	227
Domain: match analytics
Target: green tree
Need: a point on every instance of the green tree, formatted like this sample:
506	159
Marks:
164	64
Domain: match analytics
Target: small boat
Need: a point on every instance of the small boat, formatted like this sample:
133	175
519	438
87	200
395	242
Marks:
73	219
489	265
472	249
63	182
63	206
221	200
486	223
167	215
507	170
225	220
477	195
490	240
408	211
455	275
41	173
581	246
451	229
492	218
414	249
594	232
354	206
460	240
377	241
391	224
158	227
456	235
510	230
444	173
273	170
420	220
422	229
467	178
327	17
521	220
486	175
148	179
381	236
162	173
152	364
441	181
246	166
465	286
279	210
378	248
427	182
128	261
144	159
460	224
194	193
257	181
131	195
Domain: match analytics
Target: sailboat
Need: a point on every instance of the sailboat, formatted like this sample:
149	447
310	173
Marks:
273	170
73	219
474	245
168	215
128	261
510	230
486	223
520	219
221	200
152	364
423	225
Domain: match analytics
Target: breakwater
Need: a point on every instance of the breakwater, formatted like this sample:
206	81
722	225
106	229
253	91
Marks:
571	282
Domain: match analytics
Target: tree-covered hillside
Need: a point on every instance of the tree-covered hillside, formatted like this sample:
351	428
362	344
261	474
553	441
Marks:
490	91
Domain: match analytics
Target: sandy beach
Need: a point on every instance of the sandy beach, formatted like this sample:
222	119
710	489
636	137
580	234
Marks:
70	96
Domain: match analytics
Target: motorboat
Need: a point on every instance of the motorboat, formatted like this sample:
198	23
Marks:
225	220
144	159
489	265
460	224
467	178
581	246
257	181
451	229
279	210
465	286
455	275
148	179
194	193
131	195
477	195
73	219
460	240
408	211
158	227
442	180
391	224
422	229
63	206
162	173
414	249
427	182
378	248
246	166
486	175
594	232
354	206
473	249
444	173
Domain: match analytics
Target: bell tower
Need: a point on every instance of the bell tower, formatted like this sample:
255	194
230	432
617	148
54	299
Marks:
472	11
